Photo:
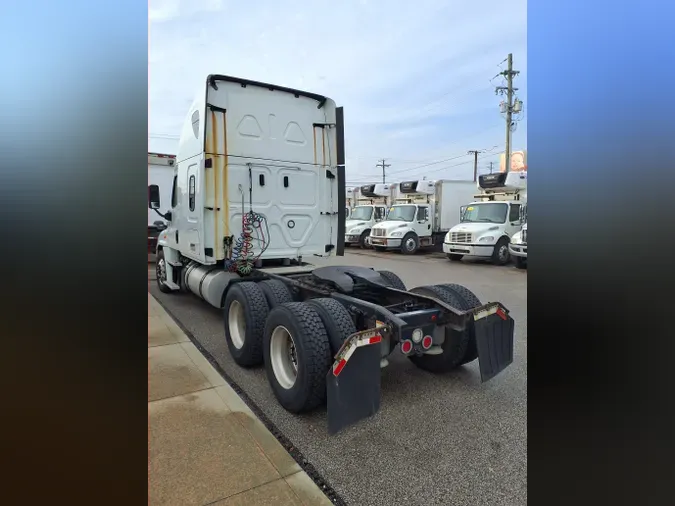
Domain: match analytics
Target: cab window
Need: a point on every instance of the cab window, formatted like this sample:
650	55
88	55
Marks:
174	195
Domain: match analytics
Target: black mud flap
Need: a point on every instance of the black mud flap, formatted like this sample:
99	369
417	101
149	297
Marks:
494	339
353	382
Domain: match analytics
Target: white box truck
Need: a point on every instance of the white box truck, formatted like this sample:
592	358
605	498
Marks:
371	208
423	212
259	186
488	223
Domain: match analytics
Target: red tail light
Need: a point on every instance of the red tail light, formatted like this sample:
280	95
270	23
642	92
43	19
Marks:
427	342
406	347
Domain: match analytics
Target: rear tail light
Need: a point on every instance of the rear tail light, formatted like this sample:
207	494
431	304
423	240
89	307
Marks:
427	342
406	347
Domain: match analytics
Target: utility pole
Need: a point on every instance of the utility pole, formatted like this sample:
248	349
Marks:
474	152
384	166
509	74
491	163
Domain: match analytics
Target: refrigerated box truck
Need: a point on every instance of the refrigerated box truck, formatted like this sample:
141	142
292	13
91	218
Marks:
422	214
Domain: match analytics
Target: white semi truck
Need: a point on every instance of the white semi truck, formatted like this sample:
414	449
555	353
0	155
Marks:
488	223
371	208
257	188
423	212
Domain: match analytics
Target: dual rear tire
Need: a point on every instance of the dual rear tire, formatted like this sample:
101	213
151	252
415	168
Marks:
459	347
296	341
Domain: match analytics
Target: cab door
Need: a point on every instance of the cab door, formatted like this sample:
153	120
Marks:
422	221
191	240
513	219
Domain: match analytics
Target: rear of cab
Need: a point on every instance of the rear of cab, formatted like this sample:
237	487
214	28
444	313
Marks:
254	146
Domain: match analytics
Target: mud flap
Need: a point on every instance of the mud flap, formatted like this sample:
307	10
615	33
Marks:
353	383
494	339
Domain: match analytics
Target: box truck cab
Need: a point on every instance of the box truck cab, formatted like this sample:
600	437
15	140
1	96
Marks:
423	212
371	208
487	224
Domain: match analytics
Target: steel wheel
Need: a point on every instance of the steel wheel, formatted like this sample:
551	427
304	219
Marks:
237	324
503	253
160	271
410	244
283	357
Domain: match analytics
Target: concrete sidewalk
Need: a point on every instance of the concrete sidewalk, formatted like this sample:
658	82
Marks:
205	444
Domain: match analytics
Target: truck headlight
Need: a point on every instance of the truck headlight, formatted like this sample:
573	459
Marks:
355	231
517	238
396	234
487	238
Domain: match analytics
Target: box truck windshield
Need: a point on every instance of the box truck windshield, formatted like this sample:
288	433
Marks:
401	213
364	213
491	212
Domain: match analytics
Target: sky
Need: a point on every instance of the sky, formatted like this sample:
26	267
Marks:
416	79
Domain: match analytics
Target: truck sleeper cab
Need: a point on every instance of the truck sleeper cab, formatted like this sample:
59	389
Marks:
244	213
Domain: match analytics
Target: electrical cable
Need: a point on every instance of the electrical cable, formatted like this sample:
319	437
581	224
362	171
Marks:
254	227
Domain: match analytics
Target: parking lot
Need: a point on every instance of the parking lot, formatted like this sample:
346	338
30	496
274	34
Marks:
438	439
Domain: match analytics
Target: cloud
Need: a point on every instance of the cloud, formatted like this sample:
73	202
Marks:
414	77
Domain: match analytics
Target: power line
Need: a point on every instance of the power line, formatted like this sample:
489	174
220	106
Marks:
487	151
485	155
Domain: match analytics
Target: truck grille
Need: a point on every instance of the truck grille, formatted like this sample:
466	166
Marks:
378	232
461	237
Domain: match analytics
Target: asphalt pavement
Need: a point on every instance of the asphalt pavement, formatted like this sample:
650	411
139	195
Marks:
438	439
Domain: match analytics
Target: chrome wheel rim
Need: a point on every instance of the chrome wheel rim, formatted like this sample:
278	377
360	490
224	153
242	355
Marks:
504	253
410	244
236	322
283	357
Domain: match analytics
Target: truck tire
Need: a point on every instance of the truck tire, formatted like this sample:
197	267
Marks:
362	239
521	263
501	255
297	356
468	301
393	280
276	292
245	312
455	258
337	320
410	244
160	272
455	344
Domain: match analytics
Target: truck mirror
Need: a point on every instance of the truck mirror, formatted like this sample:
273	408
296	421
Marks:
462	210
153	196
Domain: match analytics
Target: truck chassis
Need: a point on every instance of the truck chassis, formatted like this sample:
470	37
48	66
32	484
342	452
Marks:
323	334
